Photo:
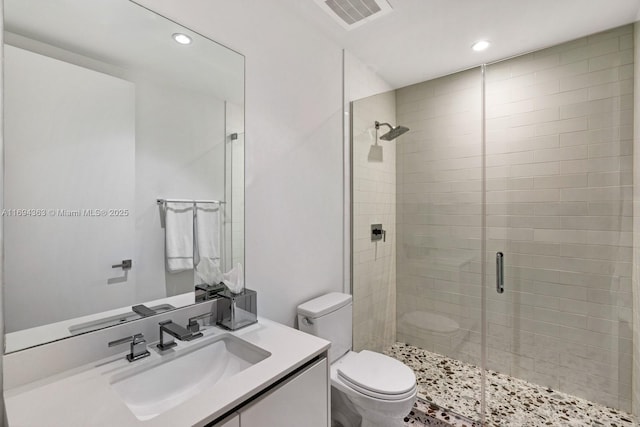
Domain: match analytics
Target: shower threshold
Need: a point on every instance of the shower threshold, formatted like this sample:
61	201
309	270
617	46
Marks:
450	387
429	414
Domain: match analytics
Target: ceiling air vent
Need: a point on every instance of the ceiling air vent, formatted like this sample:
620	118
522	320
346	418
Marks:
353	13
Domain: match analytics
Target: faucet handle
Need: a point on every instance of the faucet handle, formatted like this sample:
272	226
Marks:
124	340
138	346
193	324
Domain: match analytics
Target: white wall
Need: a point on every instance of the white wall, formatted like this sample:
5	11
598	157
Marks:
360	80
294	210
4	415
65	151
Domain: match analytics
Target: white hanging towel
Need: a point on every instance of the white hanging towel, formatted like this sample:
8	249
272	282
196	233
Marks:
207	256
178	236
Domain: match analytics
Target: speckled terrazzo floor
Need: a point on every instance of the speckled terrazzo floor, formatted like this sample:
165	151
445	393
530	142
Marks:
428	414
452	384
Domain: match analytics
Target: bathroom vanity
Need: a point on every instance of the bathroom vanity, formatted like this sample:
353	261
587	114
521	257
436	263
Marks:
265	374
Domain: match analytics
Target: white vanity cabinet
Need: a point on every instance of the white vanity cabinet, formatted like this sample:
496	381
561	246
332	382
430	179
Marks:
302	400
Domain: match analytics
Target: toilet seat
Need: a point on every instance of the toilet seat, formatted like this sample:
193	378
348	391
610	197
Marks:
378	376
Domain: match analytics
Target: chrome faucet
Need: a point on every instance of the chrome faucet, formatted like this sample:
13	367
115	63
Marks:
175	331
193	324
138	346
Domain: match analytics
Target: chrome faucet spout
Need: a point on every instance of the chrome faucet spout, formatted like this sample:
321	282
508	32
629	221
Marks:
176	331
193	324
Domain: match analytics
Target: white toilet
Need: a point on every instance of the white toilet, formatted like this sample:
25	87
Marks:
367	388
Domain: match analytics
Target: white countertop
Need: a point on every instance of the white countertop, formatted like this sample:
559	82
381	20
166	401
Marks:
83	396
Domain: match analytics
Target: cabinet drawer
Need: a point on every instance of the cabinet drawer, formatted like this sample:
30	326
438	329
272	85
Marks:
300	401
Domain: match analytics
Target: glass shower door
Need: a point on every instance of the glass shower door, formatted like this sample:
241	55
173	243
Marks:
417	285
439	226
558	143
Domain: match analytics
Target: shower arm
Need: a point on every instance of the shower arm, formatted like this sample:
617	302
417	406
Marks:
378	124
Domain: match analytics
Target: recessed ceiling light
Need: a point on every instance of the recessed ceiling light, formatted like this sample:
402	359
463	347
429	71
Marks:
480	45
181	38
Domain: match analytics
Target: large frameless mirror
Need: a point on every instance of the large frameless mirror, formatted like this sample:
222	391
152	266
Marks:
112	112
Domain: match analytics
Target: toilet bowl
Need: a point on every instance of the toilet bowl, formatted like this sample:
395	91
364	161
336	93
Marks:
368	389
382	389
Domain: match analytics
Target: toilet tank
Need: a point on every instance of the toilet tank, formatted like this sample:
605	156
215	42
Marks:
328	317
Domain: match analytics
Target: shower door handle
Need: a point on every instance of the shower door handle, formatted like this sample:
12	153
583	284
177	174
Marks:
499	272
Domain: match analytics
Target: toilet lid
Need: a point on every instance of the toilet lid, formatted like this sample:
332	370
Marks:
377	375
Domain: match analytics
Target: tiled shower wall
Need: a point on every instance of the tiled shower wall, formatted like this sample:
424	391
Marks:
559	192
439	215
559	175
374	202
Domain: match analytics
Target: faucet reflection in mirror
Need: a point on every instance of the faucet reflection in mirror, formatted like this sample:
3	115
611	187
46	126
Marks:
116	130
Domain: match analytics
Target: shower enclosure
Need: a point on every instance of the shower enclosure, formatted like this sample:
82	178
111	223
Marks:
521	169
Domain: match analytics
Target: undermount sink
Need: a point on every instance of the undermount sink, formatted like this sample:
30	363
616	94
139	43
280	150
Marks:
177	376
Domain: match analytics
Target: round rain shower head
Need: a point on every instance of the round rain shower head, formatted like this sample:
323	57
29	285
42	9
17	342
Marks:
393	133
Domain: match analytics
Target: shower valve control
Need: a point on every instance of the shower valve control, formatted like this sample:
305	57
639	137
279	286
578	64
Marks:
126	264
377	233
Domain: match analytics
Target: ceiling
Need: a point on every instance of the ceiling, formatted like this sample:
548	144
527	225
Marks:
122	34
423	39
